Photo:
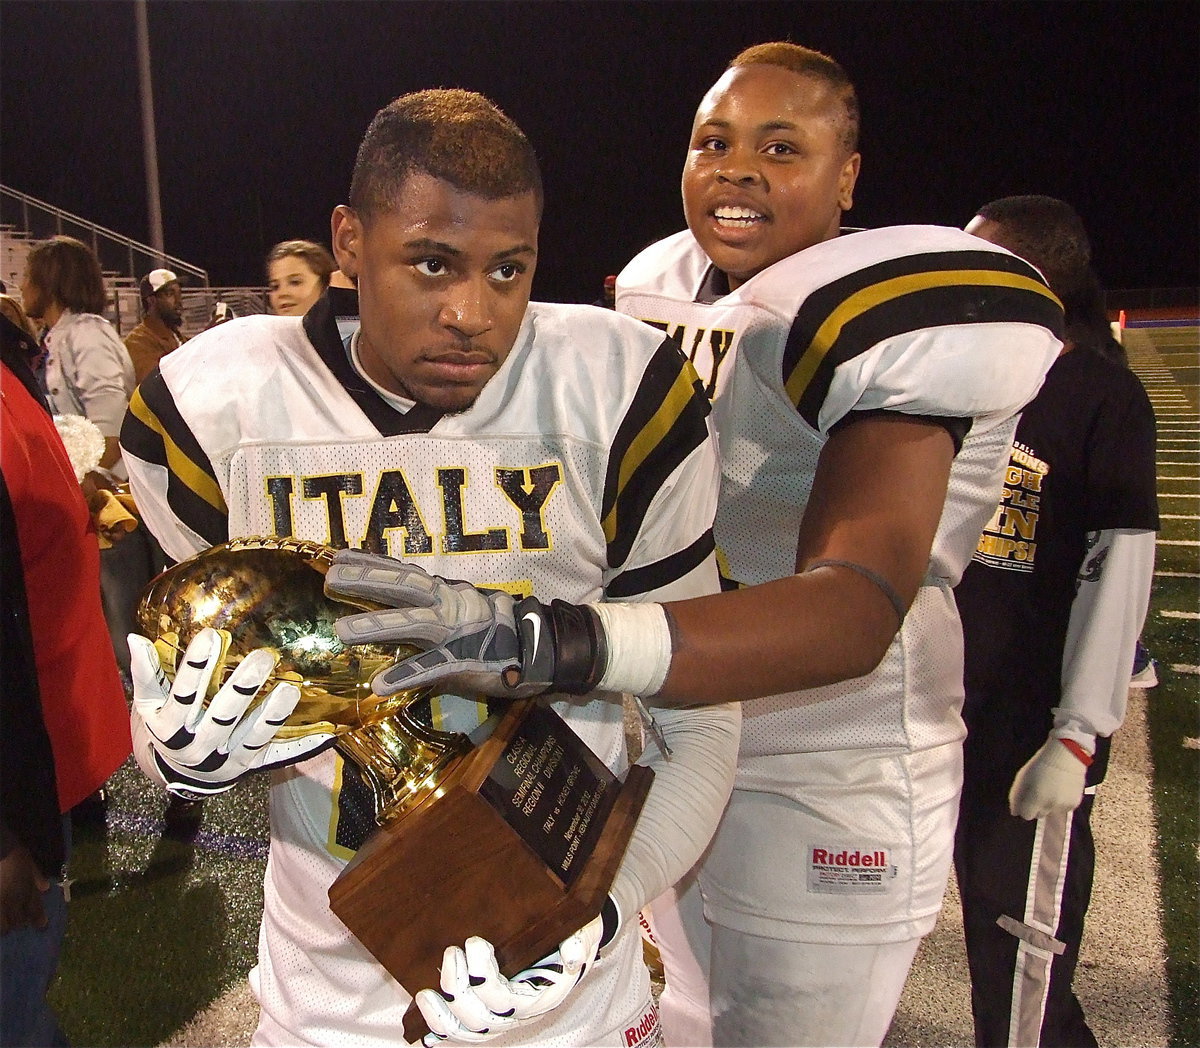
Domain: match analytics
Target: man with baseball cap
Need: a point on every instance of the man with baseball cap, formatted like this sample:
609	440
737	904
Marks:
158	333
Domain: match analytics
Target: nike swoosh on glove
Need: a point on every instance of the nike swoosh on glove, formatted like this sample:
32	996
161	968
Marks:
477	1003
476	640
198	750
1052	780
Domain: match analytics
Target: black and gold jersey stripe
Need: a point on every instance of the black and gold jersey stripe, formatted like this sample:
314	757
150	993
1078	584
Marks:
665	423
661	573
155	432
848	316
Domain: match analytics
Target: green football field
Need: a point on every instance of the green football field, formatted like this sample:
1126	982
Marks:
1166	359
159	930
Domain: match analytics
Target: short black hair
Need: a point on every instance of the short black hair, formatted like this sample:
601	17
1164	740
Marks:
1049	233
451	134
807	62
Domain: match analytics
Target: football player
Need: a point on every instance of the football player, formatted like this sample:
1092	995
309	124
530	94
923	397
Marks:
865	390
562	449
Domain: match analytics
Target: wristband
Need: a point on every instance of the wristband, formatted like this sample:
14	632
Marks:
639	647
580	652
1078	751
885	587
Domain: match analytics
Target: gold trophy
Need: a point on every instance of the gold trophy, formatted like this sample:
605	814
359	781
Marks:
269	593
538	824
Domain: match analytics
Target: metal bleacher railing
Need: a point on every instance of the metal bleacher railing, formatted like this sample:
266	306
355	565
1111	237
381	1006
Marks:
24	220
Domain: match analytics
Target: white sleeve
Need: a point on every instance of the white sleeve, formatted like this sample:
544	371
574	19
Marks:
1107	614
103	375
982	371
690	789
685	802
148	483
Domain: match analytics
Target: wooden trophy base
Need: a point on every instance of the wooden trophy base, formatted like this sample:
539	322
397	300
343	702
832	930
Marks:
520	846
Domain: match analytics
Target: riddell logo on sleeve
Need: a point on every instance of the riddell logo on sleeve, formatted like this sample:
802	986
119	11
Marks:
850	871
647	1033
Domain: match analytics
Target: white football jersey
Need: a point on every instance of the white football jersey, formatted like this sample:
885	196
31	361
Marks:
584	471
921	320
838	328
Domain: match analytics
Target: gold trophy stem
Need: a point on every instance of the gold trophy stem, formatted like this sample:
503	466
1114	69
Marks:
404	761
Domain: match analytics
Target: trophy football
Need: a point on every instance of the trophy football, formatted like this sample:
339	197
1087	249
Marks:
514	834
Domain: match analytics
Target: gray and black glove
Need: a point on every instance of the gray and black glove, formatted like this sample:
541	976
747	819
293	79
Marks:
476	640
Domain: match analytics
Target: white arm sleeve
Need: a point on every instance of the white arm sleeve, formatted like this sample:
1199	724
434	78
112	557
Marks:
685	802
690	789
1106	618
148	482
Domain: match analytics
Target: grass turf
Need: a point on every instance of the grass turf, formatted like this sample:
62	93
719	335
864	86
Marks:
1173	709
159	929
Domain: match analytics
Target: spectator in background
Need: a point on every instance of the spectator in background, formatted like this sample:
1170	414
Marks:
608	298
1051	606
88	371
298	273
63	708
11	308
158	333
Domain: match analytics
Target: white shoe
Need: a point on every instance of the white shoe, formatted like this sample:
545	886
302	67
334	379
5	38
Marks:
1146	677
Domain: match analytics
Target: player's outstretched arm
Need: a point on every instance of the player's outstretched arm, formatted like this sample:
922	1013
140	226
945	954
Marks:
195	749
863	552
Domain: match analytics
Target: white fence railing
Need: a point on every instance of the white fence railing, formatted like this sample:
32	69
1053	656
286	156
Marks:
25	219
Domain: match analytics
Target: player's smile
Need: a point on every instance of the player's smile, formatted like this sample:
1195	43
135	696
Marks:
736	224
737	217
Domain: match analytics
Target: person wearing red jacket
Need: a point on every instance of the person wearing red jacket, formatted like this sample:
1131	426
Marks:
65	724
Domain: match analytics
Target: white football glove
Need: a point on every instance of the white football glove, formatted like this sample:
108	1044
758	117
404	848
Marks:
1052	780
195	750
477	1003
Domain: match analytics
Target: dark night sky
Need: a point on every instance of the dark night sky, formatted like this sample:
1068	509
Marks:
260	107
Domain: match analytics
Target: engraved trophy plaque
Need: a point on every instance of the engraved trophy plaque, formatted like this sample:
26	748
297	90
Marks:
520	845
